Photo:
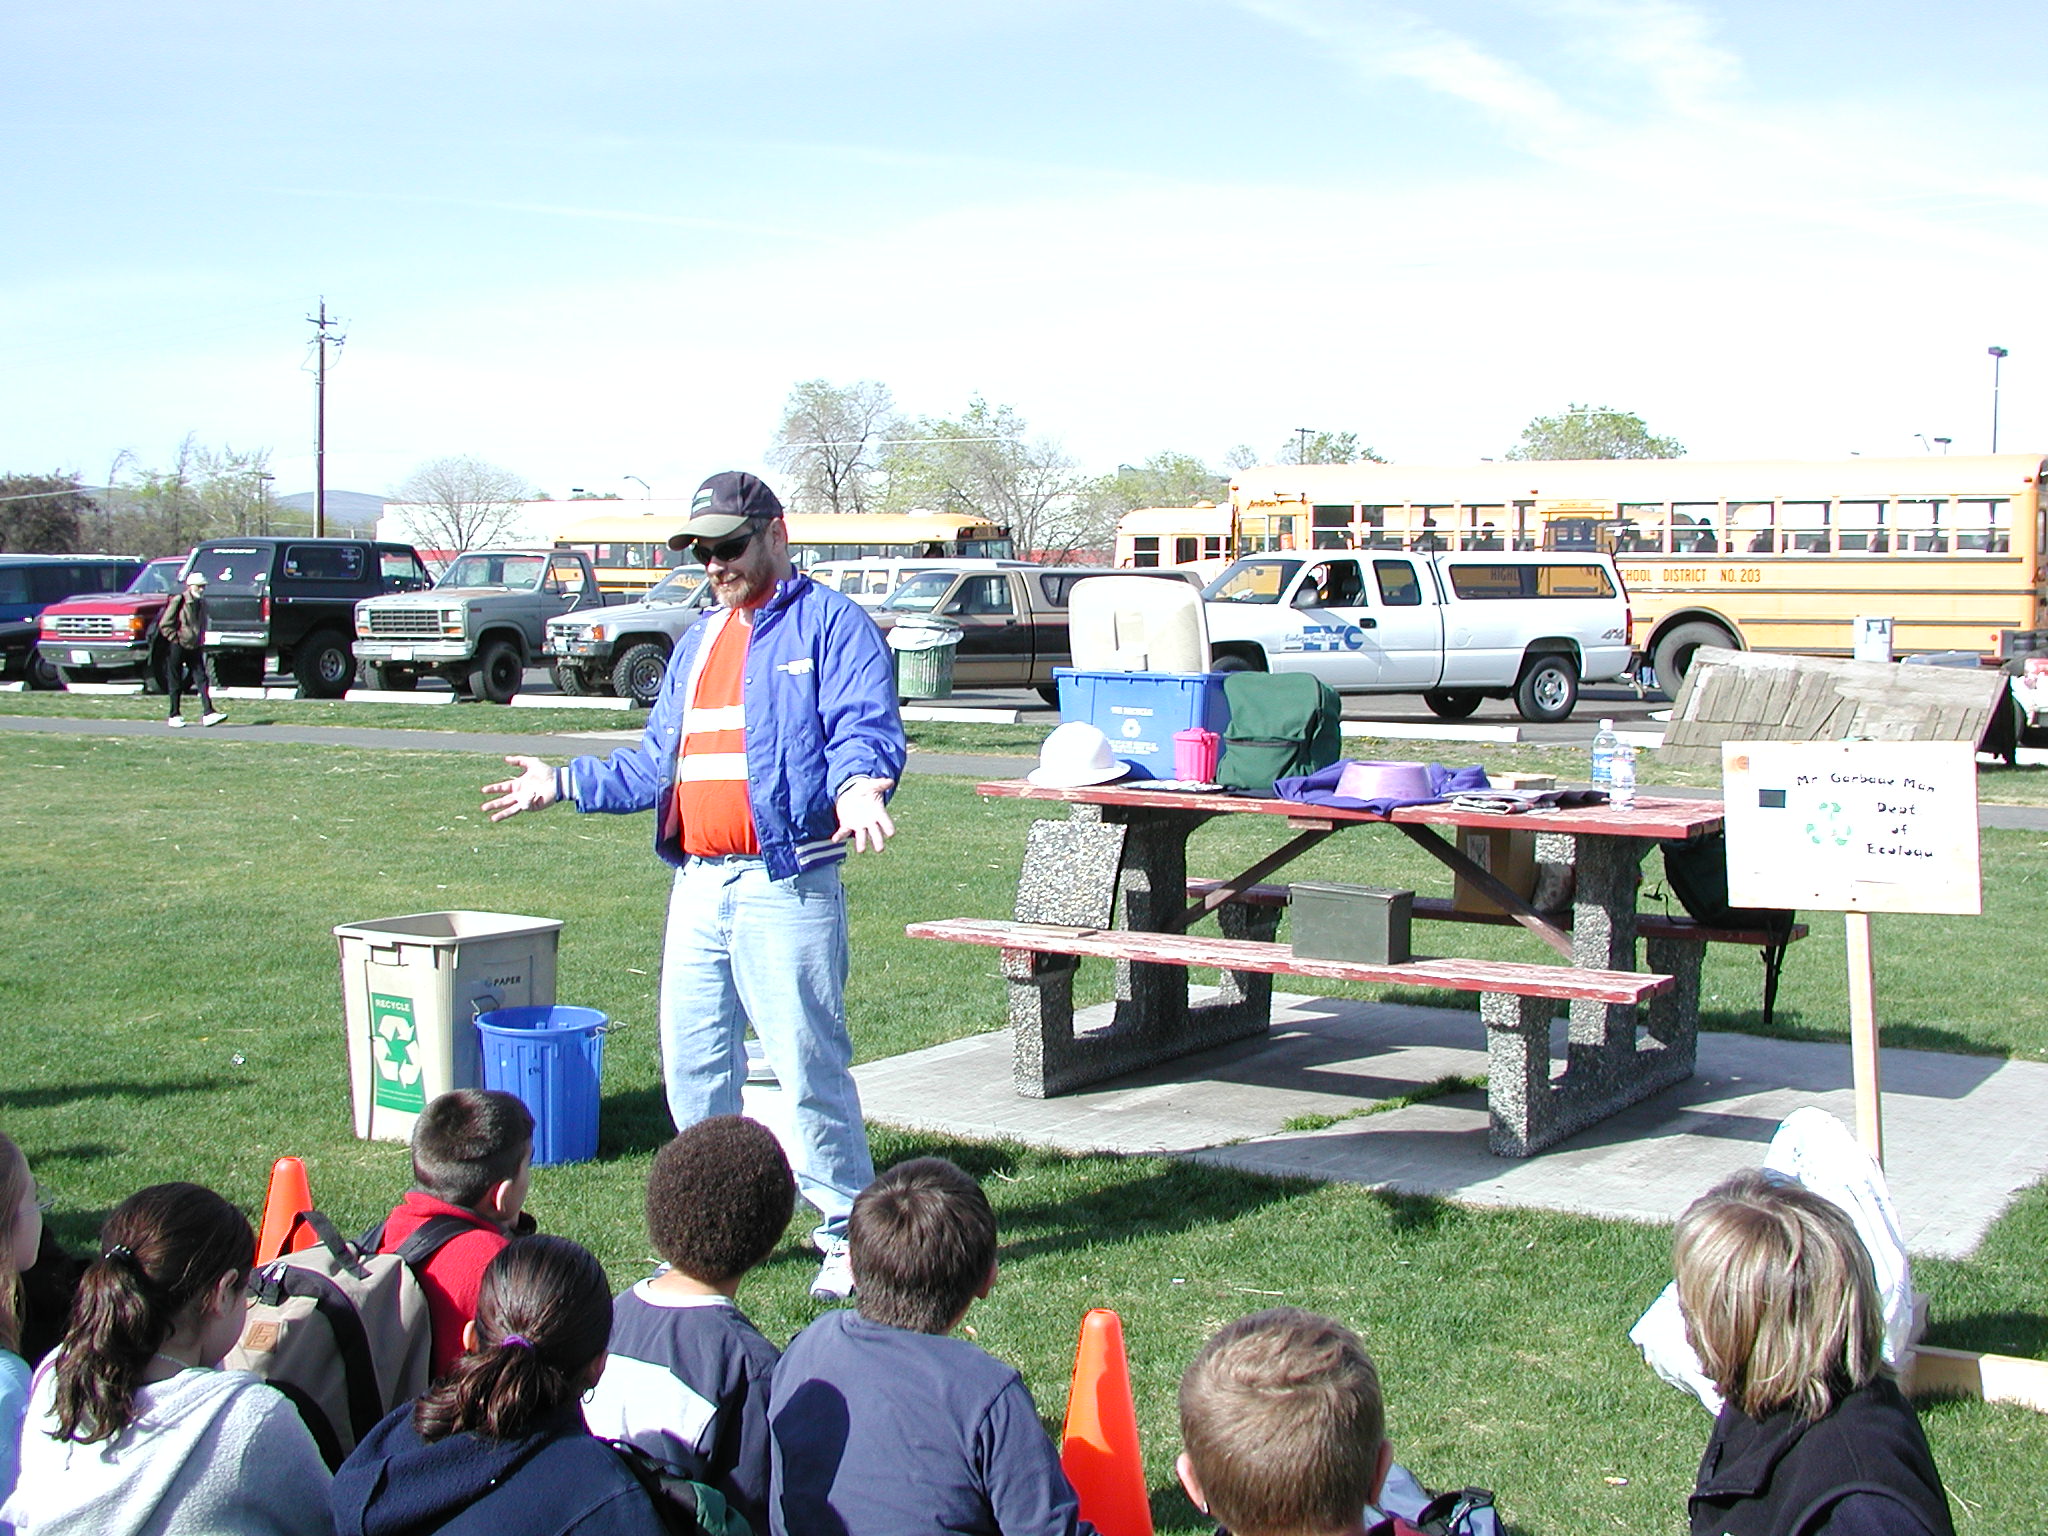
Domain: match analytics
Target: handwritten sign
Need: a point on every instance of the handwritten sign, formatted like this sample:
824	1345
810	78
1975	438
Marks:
1852	826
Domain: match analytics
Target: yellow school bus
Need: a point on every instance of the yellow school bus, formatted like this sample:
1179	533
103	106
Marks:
1759	555
631	553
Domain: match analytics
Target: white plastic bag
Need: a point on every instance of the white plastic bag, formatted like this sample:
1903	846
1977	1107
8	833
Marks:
1817	1150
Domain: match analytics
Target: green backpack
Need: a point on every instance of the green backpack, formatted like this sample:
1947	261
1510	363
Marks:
1281	724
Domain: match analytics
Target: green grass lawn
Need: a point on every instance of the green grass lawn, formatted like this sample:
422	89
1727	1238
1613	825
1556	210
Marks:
172	1010
2024	785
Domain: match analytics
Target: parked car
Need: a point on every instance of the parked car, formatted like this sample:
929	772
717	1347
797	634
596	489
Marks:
1455	628
625	650
289	605
29	584
870	579
112	637
1014	620
485	619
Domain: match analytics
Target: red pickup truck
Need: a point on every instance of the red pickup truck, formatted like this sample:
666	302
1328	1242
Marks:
111	637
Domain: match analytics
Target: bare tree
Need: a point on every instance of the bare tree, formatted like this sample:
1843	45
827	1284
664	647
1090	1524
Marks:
982	463
830	443
461	502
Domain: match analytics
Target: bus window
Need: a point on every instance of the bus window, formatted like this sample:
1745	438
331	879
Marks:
1692	528
1860	528
1145	551
1920	526
1803	528
1373	523
1330	527
1641	530
1984	525
1212	547
1480	527
1186	550
1750	530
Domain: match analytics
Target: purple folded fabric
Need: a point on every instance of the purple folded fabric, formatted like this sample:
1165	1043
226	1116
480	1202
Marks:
1320	788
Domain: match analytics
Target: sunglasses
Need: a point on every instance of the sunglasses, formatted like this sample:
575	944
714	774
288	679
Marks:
726	551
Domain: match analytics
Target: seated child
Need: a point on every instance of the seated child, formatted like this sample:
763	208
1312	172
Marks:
21	1235
472	1157
883	1426
1282	1429
132	1426
498	1445
687	1380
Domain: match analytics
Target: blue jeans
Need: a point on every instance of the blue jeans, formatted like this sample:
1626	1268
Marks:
741	947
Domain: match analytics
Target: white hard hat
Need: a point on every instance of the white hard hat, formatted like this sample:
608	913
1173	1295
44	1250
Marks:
1075	754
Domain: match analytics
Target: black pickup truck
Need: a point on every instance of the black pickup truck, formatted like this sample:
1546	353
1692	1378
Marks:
289	605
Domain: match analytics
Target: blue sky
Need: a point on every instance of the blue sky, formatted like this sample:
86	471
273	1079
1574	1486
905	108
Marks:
604	239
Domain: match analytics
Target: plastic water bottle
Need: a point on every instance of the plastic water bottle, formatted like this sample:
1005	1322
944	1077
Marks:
1606	747
1621	789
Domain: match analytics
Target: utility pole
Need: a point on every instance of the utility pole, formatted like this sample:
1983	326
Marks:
321	340
1301	445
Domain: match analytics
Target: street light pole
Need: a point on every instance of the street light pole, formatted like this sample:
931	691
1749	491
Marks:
1998	357
644	486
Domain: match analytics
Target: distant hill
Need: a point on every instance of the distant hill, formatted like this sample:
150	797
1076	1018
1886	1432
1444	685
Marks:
347	511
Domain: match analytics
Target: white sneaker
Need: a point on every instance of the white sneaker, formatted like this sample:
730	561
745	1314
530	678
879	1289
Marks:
758	1070
212	717
176	722
835	1275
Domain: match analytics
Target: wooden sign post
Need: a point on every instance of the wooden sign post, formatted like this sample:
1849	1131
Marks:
1854	827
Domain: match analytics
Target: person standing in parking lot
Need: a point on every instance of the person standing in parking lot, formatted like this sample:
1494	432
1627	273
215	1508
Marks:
773	744
183	627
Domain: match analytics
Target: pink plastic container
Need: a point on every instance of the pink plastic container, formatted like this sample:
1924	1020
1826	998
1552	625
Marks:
1194	755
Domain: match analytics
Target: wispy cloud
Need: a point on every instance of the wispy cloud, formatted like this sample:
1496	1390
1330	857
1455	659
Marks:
563	211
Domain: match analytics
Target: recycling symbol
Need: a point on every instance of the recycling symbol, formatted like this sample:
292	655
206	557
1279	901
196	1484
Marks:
1829	827
396	1038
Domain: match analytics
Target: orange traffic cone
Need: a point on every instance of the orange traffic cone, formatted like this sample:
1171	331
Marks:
290	1194
1099	1448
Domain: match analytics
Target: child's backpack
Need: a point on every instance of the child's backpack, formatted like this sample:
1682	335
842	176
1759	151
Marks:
1413	1510
341	1329
1281	724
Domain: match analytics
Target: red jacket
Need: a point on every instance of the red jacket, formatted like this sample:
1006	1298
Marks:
452	1277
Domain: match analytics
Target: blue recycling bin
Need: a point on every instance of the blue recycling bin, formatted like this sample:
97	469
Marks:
552	1060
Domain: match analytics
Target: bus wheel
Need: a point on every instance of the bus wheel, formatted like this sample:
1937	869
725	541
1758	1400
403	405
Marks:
1549	690
1451	703
1674	652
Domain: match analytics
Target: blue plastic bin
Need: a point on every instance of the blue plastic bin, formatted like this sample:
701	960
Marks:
1140	711
552	1059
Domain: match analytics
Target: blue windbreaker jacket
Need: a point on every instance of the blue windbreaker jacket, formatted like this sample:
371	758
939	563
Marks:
820	695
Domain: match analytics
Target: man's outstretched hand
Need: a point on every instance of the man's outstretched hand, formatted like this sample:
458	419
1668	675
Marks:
533	790
864	815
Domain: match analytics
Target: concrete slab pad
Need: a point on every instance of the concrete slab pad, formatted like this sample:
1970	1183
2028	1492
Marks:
1963	1134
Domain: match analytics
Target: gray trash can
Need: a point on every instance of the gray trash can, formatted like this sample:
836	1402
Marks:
924	649
411	988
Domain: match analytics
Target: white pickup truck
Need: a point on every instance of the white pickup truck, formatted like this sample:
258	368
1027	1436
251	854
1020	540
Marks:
1455	628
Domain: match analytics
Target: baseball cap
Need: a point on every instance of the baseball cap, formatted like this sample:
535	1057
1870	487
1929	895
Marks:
725	504
196	579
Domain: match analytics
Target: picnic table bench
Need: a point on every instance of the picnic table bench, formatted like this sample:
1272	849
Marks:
1122	856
